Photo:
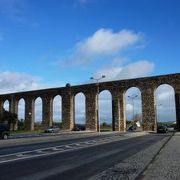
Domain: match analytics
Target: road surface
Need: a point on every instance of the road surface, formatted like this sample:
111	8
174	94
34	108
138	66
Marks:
76	159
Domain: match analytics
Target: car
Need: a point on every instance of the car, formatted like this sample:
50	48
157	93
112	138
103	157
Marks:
76	129
132	128
162	129
51	130
170	129
79	127
4	131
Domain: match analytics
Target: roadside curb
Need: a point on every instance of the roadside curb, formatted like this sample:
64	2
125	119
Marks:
134	166
143	172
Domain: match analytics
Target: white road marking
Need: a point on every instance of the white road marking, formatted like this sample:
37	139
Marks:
59	149
20	155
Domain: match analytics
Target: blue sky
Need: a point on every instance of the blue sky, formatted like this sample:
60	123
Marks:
37	36
48	43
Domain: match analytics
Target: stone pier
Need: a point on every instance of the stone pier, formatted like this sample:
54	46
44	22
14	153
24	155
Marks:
147	86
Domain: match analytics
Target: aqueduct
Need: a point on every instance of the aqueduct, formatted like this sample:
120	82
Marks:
147	86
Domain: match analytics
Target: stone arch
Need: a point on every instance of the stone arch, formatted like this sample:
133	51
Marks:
38	104
165	104
158	84
133	85
105	111
57	110
6	105
21	109
133	107
79	109
79	91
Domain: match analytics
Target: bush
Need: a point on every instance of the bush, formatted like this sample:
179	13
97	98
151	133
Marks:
9	117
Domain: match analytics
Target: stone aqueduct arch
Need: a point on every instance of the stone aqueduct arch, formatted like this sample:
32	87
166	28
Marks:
147	86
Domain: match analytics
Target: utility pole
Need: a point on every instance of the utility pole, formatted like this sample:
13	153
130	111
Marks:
97	80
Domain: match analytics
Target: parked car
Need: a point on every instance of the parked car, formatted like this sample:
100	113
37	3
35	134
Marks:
79	127
4	131
51	130
162	129
132	128
170	129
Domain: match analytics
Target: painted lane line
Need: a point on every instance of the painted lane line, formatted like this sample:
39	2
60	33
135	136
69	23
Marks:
40	151
77	144
20	155
61	147
32	154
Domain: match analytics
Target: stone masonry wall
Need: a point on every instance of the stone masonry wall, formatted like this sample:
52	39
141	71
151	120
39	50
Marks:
147	86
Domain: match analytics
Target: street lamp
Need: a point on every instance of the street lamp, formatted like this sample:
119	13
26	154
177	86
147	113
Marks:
132	97
97	80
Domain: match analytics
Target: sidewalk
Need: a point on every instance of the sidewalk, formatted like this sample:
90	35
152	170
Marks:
166	165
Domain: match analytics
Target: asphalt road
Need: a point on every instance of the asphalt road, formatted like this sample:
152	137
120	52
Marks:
78	163
30	147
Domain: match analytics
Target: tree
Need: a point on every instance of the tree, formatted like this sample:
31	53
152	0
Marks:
104	124
9	117
21	124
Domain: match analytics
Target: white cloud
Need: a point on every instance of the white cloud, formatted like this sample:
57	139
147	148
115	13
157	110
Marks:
105	107
79	108
165	92
165	103
137	69
21	109
102	44
129	107
110	73
14	81
105	41
166	95
57	109
132	70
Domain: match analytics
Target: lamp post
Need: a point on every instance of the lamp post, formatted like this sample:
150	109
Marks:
97	80
132	97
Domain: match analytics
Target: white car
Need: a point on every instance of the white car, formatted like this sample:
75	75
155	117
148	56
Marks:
170	129
52	130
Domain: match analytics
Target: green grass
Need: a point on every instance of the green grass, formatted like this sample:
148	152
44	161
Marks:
106	128
26	132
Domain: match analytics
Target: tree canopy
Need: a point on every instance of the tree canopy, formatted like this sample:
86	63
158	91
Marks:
9	117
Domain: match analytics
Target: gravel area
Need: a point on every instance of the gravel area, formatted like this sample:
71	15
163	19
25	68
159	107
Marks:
130	168
166	166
